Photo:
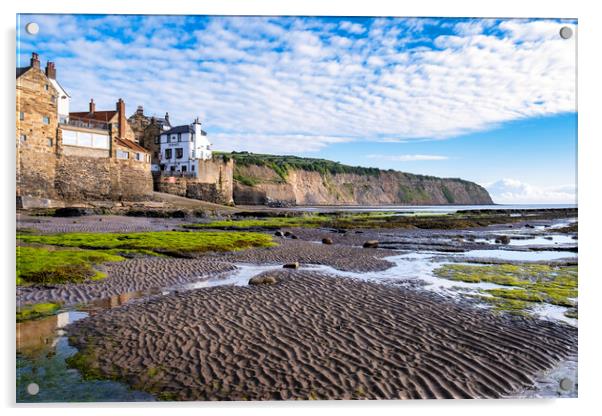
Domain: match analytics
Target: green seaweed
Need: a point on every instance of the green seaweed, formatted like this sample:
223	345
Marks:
528	283
38	310
164	242
49	265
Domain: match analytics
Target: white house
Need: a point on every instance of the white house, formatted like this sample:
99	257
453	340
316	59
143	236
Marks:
183	147
63	99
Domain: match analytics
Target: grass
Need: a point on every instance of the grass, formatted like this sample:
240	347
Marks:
162	242
38	310
528	283
48	265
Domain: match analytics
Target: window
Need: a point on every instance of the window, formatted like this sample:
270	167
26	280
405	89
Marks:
23	138
46	87
122	154
167	153
184	169
179	153
192	168
50	141
157	139
174	138
179	137
162	166
139	156
172	168
21	115
46	120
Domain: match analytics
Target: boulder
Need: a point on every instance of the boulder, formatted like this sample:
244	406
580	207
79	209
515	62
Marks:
70	212
503	239
263	280
294	237
326	241
278	234
287	233
371	244
294	265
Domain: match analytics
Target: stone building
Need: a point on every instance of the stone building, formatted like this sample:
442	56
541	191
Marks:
147	130
73	156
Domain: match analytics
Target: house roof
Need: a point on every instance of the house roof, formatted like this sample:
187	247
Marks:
187	128
105	116
130	145
21	71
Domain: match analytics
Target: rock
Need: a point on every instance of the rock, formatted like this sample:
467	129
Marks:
529	226
294	237
504	239
278	234
294	265
69	212
263	280
371	244
326	241
287	233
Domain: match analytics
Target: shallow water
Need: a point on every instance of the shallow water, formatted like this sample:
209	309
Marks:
513	255
423	208
42	349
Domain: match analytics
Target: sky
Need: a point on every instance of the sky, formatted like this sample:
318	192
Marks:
488	100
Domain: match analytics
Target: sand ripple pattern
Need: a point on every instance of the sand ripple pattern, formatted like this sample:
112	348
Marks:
141	274
340	257
97	224
317	336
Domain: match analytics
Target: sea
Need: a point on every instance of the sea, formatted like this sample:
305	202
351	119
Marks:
441	209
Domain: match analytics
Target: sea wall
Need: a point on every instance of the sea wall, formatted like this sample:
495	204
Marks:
213	183
91	178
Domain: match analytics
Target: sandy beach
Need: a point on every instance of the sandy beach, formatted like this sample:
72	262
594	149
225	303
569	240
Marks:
322	331
313	336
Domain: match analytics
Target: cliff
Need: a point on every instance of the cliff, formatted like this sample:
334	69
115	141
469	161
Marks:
262	179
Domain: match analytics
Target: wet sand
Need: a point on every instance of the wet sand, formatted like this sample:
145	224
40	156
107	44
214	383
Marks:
314	336
144	274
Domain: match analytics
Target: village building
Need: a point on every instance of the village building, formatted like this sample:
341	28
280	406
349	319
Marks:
184	149
63	155
147	131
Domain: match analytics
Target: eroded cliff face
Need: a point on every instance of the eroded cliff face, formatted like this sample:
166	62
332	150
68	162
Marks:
261	184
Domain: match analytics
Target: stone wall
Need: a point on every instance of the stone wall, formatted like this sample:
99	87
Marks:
91	178
35	138
214	182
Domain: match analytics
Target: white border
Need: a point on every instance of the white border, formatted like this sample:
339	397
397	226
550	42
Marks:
590	71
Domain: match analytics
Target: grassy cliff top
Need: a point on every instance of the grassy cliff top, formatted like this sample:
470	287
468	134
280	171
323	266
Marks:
281	164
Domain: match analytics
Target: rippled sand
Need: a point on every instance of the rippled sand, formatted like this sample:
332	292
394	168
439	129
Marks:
318	336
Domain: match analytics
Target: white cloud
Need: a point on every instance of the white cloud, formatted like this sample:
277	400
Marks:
351	27
407	158
512	191
310	79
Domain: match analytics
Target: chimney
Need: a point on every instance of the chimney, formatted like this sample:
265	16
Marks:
167	119
122	121
35	60
92	106
50	70
197	129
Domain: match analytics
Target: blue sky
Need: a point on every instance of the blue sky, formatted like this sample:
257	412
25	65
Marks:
487	100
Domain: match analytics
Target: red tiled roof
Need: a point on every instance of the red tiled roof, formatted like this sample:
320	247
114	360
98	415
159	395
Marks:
105	116
130	145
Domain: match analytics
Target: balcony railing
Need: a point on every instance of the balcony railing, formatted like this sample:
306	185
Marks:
86	123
